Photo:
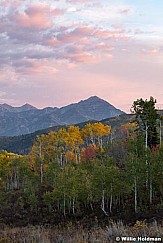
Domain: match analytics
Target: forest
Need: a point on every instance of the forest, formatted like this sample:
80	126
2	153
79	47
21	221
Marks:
84	175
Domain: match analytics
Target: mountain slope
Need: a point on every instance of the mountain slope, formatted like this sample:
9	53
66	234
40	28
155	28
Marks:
93	108
27	119
23	143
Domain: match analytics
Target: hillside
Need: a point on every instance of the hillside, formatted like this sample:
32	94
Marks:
28	119
22	144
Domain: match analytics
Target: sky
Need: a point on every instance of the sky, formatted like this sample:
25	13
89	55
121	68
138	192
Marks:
57	52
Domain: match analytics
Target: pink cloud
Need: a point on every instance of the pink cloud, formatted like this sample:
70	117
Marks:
52	42
38	17
33	19
88	36
116	26
90	54
75	43
78	1
102	46
76	34
31	67
4	3
108	33
84	58
125	11
13	3
151	52
78	54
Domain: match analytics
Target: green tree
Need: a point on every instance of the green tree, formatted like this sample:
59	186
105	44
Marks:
146	117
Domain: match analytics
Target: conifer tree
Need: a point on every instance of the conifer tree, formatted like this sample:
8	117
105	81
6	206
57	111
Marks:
146	117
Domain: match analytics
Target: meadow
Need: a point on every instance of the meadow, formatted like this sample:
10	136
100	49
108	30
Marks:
77	233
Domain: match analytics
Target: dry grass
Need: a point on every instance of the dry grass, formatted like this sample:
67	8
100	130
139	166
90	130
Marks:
77	234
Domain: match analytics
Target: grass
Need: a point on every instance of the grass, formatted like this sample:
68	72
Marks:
77	234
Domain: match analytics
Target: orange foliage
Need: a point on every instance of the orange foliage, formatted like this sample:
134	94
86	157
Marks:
89	152
128	129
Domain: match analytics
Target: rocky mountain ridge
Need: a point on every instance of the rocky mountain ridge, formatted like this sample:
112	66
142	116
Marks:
27	119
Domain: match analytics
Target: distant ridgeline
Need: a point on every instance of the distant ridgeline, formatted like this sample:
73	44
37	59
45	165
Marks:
28	119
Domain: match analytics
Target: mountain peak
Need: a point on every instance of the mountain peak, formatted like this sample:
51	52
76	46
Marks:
8	108
27	107
93	98
93	108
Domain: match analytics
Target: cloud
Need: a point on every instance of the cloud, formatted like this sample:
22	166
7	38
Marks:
8	77
24	21
108	33
79	1
117	26
2	94
4	3
10	3
153	52
34	36
76	34
30	67
36	17
125	11
82	44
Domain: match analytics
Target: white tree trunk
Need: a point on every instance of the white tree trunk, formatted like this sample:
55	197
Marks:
160	132
150	192
64	205
41	161
135	190
73	206
146	136
103	203
146	146
111	197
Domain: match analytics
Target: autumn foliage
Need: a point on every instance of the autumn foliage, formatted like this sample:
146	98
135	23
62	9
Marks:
77	172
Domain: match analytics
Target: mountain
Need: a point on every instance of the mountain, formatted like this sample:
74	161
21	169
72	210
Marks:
27	119
8	108
93	108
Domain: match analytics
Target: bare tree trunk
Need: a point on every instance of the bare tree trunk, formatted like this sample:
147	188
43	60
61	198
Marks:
146	136
41	161
135	190
15	182
146	146
150	192
160	133
111	197
61	159
91	206
103	203
64	205
73	206
58	204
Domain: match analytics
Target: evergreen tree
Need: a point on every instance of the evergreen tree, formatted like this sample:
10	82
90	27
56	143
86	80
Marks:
146	117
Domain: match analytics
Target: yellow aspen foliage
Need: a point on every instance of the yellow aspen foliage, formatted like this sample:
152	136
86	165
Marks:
95	132
74	137
87	132
100	129
70	157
